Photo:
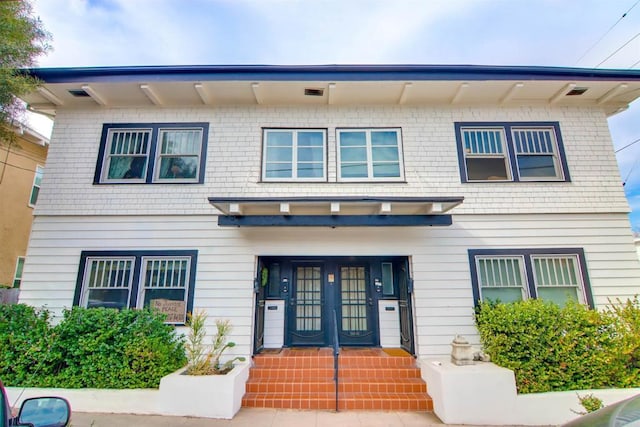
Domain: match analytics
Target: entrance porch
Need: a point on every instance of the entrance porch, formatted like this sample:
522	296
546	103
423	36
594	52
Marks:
367	378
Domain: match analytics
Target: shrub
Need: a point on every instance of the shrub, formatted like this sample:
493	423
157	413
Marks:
94	348
207	361
553	348
25	337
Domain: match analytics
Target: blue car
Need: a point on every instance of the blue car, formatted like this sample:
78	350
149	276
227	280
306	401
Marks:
35	412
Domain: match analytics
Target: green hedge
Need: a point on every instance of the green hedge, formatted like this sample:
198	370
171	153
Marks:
552	348
92	348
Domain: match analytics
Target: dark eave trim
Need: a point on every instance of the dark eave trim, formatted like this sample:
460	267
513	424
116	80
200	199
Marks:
334	220
411	72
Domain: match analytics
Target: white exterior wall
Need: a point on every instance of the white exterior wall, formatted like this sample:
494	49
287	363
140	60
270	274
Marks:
73	214
226	267
234	160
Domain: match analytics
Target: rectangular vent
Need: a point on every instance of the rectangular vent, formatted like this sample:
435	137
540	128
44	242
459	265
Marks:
79	93
313	92
577	91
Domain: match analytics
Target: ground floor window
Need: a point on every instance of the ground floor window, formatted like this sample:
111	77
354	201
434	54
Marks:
508	275
138	279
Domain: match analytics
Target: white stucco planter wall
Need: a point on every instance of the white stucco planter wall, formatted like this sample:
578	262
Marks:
485	393
208	396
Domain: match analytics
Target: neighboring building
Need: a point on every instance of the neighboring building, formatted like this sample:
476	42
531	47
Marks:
397	196
21	169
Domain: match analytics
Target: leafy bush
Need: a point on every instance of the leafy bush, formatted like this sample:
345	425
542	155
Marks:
552	348
94	348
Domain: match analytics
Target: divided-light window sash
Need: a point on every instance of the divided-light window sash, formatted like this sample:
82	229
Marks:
501	278
486	155
557	278
536	153
127	155
35	189
109	280
294	155
370	155
164	278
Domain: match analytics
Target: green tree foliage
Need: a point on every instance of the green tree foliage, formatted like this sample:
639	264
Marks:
22	39
93	348
552	348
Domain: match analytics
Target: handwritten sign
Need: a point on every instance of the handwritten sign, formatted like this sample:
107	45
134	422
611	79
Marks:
175	310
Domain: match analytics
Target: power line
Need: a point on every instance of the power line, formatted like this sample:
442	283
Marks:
17	167
618	49
608	31
628	145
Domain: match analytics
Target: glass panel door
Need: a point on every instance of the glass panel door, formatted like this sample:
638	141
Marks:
307	301
354	320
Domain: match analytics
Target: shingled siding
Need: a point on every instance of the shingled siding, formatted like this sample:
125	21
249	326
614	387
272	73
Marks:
233	165
227	257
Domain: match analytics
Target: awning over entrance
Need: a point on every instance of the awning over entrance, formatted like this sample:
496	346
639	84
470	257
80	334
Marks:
334	211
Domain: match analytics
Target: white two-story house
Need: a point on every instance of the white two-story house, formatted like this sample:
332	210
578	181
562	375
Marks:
393	197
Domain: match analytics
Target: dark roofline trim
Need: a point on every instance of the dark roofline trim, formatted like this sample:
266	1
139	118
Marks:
334	220
311	199
410	72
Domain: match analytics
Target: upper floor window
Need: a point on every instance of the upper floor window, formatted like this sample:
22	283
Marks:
294	154
152	153
557	275
35	189
511	152
138	279
370	154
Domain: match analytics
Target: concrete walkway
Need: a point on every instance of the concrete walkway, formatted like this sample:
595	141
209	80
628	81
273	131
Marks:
253	417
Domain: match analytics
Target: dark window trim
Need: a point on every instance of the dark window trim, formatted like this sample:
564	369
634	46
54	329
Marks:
295	180
513	163
155	130
400	180
137	265
526	254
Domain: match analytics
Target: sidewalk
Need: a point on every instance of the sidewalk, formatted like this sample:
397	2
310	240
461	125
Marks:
253	417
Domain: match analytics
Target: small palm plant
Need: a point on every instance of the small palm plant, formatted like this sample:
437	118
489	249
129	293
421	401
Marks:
202	359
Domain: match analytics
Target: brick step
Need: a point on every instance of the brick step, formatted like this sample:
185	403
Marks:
379	373
373	401
270	386
409	385
380	379
298	374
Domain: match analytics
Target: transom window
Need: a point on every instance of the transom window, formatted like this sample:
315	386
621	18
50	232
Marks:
511	152
152	153
138	279
370	154
557	275
294	154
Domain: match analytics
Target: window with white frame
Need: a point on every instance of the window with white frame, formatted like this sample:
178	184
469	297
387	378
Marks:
294	154
530	151
138	279
17	277
509	275
152	153
370	154
35	189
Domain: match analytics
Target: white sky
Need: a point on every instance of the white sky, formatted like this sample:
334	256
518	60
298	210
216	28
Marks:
481	32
